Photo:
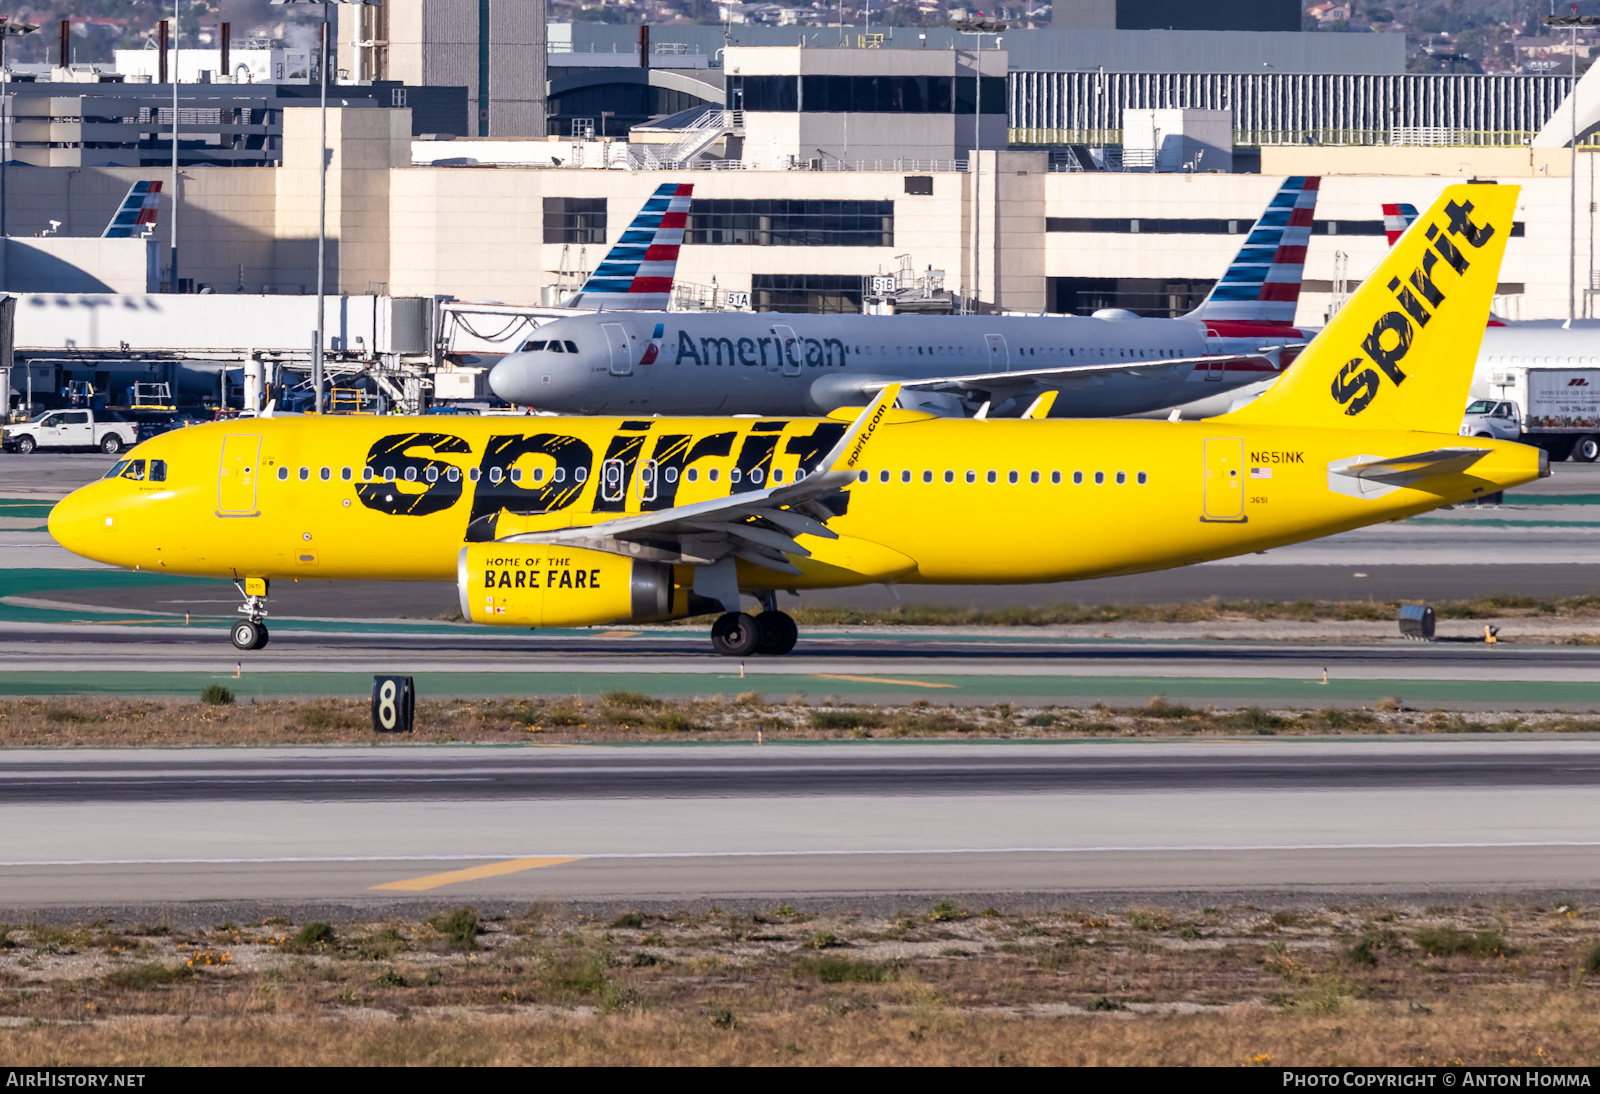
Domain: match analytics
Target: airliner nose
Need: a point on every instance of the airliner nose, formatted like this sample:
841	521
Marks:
513	380
67	522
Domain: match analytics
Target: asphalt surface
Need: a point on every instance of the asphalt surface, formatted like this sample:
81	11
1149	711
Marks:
680	823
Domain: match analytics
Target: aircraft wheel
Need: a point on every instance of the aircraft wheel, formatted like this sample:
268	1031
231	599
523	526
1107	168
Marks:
777	633
735	635
261	642
1586	449
248	636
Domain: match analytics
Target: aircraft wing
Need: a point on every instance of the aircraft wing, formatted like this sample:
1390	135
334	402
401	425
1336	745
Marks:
1044	377
1405	470
758	525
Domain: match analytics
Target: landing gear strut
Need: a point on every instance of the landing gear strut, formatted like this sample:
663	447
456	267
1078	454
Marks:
250	633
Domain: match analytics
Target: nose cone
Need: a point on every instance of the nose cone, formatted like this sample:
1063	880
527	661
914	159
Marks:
68	523
513	379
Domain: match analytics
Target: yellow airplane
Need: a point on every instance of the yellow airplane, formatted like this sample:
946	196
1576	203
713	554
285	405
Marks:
548	522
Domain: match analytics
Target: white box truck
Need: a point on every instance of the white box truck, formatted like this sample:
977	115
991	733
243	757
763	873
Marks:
1557	409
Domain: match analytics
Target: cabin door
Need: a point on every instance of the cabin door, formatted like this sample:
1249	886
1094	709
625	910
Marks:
999	356
621	354
1224	479
236	479
789	349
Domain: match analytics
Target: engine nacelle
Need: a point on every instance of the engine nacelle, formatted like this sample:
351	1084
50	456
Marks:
536	585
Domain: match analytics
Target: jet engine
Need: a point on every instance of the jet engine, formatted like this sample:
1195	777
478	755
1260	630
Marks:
540	585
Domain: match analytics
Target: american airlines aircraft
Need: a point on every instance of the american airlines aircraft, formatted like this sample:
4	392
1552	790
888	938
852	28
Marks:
1109	364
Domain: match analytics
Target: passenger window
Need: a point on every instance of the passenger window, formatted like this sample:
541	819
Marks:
1099	478
1033	477
863	476
691	475
733	474
345	474
454	474
949	476
135	471
326	474
388	474
305	474
1055	478
538	474
883	476
559	475
116	469
555	347
368	476
1143	478
283	474
991	478
411	474
158	470
1011	477
711	475
927	476
495	474
905	476
972	477
516	474
572	347
1122	478
472	474
777	474
1077	478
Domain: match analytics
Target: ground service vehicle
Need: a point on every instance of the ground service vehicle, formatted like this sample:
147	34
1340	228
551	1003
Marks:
555	522
1557	409
106	430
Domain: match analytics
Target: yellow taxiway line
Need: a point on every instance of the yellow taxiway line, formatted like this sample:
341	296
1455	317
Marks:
471	873
880	680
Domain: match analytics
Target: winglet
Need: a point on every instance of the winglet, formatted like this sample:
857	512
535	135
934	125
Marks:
1040	407
847	454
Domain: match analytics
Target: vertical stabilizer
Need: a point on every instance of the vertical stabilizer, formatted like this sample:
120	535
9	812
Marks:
637	273
138	209
1263	283
1397	217
1400	354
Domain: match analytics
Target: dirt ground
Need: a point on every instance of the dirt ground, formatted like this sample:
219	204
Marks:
629	716
1484	983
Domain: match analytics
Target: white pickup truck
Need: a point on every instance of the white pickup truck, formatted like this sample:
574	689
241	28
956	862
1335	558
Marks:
106	430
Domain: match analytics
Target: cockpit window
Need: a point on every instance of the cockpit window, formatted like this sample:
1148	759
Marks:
158	470
135	470
555	347
572	347
532	347
116	469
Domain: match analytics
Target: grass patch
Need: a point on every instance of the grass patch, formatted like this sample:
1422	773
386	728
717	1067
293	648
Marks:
1446	940
152	974
216	695
845	719
460	928
835	969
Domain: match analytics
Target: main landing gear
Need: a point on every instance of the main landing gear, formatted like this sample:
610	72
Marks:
250	633
772	633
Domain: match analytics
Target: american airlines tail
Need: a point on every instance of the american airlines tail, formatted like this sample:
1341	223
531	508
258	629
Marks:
1262	287
1397	217
637	273
137	210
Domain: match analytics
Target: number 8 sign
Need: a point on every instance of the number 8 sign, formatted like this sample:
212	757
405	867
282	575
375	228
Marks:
393	704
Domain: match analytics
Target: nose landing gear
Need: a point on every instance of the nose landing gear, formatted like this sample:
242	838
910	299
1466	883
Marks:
250	633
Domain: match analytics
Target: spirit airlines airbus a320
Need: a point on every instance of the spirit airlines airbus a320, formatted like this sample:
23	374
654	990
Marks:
1103	365
554	522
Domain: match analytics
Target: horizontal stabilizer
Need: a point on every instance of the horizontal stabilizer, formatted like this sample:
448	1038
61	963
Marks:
1405	470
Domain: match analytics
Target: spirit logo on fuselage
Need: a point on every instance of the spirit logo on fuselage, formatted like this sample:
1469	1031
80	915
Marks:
1419	296
399	482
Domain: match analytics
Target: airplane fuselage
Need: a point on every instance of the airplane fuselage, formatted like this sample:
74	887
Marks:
776	363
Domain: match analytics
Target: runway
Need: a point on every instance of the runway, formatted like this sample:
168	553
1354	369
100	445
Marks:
695	823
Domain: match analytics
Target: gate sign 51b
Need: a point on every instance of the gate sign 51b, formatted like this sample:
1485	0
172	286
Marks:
393	704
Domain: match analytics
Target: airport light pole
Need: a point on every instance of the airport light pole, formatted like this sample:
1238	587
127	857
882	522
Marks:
1572	23
8	29
322	194
978	28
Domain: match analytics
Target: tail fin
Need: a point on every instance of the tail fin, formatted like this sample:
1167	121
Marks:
1400	354
1263	284
637	273
1397	217
138	209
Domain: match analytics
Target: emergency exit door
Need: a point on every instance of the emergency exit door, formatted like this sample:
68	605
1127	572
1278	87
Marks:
1224	479
236	479
999	355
